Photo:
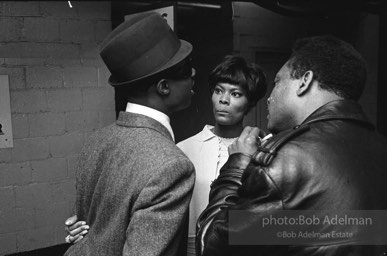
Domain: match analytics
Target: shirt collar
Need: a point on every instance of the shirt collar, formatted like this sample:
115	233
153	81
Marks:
152	113
207	133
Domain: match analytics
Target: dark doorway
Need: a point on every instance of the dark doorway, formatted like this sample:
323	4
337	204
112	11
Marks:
209	29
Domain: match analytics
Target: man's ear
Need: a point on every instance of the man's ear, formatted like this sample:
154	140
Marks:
305	83
162	87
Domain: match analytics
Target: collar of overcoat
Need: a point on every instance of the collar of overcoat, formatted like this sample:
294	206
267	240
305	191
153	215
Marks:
128	119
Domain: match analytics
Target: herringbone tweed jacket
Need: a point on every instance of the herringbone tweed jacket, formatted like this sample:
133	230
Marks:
133	189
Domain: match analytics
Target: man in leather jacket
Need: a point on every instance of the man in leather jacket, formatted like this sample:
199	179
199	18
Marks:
325	157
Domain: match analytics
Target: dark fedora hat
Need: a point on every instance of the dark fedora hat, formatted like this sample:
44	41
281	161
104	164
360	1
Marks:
141	47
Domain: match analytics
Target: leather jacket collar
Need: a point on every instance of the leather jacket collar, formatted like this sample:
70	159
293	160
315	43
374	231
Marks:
339	109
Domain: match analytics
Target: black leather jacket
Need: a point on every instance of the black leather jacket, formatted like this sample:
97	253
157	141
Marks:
334	161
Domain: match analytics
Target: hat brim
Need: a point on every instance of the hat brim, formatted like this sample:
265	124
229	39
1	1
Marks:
184	51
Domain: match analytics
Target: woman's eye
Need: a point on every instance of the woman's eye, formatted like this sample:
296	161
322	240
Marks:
217	90
236	94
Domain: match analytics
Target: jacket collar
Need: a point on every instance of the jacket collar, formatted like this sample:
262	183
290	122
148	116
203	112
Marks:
339	109
152	113
128	119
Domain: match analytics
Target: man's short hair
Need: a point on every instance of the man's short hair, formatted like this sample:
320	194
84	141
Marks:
336	65
235	70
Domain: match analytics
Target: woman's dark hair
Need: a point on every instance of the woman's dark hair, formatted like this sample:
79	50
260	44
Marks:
336	65
235	70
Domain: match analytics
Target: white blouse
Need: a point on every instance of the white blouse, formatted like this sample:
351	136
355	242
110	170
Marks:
208	153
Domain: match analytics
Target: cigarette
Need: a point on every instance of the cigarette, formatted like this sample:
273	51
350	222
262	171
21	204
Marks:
267	137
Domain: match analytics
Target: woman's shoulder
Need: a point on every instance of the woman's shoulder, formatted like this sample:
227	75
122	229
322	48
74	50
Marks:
198	138
189	141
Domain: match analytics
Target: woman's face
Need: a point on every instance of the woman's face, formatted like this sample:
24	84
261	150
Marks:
230	103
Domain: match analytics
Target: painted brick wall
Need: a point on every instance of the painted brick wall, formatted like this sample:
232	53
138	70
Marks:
59	95
264	36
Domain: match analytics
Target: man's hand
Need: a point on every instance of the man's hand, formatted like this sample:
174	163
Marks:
76	230
248	142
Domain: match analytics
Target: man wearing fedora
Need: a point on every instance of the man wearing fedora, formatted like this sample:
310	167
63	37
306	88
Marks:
133	184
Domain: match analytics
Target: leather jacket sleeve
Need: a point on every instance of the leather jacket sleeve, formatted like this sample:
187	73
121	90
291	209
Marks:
223	194
243	185
240	186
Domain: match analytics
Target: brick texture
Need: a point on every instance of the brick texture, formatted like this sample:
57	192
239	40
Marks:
7	197
94	10
51	169
15	174
63	191
20	126
39	50
62	100
46	124
8	243
103	76
5	155
41	29
82	120
72	162
22	9
77	31
30	149
11	28
44	77
102	29
16	77
35	238
34	196
28	101
66	145
59	10
99	98
80	77
106	117
50	53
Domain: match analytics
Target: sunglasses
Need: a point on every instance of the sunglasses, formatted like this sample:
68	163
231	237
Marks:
183	70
